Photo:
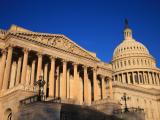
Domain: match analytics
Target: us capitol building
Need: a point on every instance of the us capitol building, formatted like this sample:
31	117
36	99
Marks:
74	74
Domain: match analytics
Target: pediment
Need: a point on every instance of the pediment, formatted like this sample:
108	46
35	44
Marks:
57	41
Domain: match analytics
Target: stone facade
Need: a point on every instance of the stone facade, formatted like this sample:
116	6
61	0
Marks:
70	72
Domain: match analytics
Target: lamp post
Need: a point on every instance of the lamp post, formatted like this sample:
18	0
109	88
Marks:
40	84
125	98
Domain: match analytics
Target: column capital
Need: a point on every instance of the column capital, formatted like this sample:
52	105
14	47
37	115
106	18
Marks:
10	45
4	51
33	61
94	68
102	76
64	61
52	57
25	50
85	66
75	63
39	54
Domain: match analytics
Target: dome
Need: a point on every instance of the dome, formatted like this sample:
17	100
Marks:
130	47
132	62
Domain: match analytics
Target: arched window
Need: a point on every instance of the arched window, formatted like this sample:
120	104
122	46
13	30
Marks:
8	114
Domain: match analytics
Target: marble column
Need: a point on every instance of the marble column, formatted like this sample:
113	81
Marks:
95	84
57	82
7	68
147	77
18	75
156	81
76	86
158	75
33	72
24	67
68	83
138	77
150	78
103	87
143	80
39	67
123	78
128	77
52	78
86	83
153	79
63	83
45	77
133	77
3	63
110	88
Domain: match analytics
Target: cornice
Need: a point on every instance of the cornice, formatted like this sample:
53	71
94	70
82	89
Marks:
137	69
137	88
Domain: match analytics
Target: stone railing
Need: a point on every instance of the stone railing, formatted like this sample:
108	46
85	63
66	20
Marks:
29	100
132	109
36	98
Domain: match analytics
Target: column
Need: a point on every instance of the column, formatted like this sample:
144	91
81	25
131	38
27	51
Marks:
18	75
95	84
76	86
123	78
110	88
150	78
57	82
3	63
45	77
156	81
153	79
143	80
4	53
63	81
68	83
39	67
138	77
24	67
128	77
158	75
86	96
33	72
7	68
147	77
133	77
52	78
103	87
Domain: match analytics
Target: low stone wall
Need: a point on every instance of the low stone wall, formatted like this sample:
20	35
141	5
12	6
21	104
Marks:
131	116
57	111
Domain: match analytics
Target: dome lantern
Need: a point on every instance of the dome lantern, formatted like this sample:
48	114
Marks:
127	31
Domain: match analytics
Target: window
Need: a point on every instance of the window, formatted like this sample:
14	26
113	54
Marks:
129	62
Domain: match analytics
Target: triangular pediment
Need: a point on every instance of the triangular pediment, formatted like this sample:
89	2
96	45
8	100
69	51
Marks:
57	41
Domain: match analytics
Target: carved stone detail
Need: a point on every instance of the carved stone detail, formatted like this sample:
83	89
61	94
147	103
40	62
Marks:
60	42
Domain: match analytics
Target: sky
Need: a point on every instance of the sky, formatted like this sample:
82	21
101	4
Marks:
96	25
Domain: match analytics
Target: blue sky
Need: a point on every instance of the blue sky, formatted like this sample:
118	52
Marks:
96	25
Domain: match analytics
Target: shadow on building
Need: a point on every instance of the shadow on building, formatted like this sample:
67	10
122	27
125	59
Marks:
33	109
